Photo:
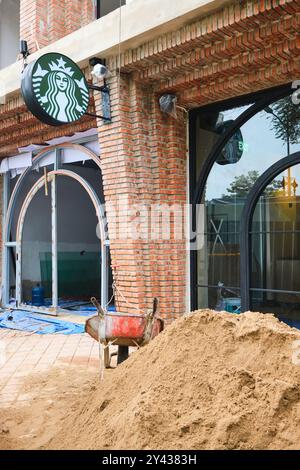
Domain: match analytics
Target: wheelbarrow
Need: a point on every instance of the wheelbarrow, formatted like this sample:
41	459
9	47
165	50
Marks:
123	329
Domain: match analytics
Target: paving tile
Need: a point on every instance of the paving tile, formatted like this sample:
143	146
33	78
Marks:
10	388
14	381
5	404
93	363
33	353
25	396
40	368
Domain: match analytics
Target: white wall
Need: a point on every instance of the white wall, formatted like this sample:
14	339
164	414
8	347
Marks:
142	20
9	31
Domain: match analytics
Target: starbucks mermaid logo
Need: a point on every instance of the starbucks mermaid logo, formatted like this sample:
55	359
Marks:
60	88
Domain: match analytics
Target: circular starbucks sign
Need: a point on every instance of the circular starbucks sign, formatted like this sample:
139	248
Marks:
55	89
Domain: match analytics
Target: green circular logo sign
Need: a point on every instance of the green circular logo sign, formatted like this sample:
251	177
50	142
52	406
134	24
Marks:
55	89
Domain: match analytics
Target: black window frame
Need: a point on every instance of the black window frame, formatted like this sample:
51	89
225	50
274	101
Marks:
98	8
261	99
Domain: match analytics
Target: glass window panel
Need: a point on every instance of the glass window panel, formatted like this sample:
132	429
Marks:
75	212
107	6
90	172
37	247
267	137
12	275
219	298
79	248
208	131
31	178
275	246
286	306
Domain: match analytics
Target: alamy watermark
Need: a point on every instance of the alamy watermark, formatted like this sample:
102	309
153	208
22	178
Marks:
296	93
154	223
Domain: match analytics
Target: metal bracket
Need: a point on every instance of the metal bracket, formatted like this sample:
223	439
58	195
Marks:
98	116
104	90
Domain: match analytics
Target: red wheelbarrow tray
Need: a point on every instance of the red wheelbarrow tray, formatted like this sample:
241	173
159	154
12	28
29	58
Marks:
123	329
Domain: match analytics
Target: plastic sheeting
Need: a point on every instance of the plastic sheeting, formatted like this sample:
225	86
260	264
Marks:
292	323
68	155
86	311
26	321
17	164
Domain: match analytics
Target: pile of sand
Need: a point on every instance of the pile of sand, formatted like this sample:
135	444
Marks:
209	381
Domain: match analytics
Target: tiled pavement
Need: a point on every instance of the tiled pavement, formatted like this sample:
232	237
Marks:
22	354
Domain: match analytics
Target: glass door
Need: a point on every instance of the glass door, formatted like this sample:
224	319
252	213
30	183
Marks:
60	251
36	249
78	246
275	249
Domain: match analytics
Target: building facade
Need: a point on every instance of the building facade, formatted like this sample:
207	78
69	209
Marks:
197	205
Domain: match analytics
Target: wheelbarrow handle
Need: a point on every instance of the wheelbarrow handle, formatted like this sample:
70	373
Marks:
154	308
96	304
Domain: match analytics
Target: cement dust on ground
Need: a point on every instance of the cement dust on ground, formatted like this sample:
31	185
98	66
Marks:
49	397
209	381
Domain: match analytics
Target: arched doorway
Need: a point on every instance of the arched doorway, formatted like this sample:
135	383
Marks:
232	144
55	223
270	242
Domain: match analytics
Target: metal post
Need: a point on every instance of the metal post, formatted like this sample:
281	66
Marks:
5	256
186	217
18	274
104	272
54	242
57	166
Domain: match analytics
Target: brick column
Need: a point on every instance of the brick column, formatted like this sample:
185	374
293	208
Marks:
57	11
78	13
45	21
28	19
169	151
143	159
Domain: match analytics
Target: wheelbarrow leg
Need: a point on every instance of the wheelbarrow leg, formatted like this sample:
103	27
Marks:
123	353
106	358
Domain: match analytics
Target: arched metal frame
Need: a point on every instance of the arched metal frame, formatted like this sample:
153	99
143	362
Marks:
36	160
51	176
197	192
246	221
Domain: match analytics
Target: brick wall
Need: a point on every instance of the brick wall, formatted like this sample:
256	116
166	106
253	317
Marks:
19	128
45	21
143	160
242	48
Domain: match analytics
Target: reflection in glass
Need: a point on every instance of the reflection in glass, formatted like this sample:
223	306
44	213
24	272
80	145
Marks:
220	298
275	242
79	248
264	139
36	263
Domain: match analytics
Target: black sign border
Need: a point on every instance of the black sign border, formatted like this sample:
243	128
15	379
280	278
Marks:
31	100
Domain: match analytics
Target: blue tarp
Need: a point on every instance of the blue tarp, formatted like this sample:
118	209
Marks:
26	321
292	323
88	311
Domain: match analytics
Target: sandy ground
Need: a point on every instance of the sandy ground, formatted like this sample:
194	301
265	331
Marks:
32	423
209	381
40	376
